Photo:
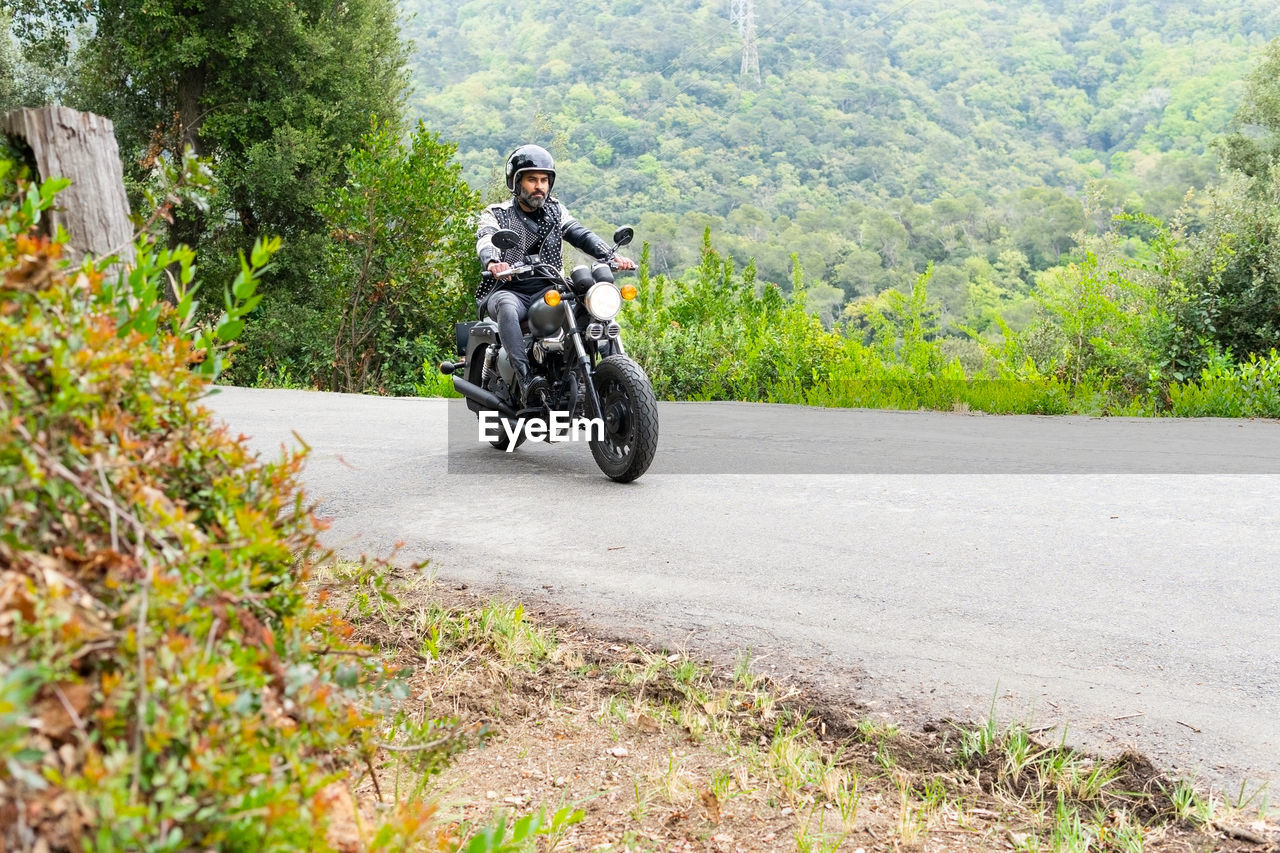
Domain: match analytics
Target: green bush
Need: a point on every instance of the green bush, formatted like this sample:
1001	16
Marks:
165	683
401	264
1106	320
714	335
1230	390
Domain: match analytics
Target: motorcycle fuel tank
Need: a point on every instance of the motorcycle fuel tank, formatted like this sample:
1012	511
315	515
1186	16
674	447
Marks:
544	319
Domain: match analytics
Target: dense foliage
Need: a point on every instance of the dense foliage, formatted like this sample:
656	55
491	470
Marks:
274	93
1014	177
398	264
165	682
972	195
1227	287
272	89
715	333
881	138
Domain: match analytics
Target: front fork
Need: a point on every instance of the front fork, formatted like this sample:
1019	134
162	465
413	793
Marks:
584	360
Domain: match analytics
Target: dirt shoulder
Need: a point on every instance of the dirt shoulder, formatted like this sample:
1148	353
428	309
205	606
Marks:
602	744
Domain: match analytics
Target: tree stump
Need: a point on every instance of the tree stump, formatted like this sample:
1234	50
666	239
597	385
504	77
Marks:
81	147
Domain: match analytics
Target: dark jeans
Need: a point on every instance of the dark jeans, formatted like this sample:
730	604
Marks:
509	309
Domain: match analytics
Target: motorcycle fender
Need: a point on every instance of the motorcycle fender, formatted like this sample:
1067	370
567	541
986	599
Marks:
481	333
461	333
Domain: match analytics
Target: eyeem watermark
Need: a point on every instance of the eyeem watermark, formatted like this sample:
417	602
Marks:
559	427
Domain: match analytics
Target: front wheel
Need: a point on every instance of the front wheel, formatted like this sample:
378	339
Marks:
630	415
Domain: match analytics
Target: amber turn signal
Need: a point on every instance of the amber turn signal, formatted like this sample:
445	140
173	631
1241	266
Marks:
628	291
551	297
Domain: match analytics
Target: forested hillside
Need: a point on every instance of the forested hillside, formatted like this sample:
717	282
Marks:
948	176
880	136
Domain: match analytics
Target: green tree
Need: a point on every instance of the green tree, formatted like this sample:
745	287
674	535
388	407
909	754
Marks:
29	78
272	88
1253	146
1043	222
10	64
1106	320
272	91
1224	288
402	261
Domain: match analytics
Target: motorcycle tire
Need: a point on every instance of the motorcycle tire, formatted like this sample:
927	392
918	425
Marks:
630	414
501	442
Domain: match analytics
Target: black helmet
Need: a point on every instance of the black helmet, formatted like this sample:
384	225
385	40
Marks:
529	158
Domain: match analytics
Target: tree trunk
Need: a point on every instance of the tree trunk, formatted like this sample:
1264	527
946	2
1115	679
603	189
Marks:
190	91
82	147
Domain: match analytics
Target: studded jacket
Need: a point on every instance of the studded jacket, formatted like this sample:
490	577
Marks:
534	229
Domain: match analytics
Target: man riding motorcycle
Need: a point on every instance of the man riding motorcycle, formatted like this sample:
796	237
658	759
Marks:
541	222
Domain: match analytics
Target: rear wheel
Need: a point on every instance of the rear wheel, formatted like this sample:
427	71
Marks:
502	442
630	415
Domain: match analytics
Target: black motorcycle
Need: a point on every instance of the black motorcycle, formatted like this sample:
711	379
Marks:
593	390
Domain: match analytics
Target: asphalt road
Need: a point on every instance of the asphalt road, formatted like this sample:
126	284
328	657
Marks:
1117	578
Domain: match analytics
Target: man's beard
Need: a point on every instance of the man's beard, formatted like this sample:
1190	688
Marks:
531	201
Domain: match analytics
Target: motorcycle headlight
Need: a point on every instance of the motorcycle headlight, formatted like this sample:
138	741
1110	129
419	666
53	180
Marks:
603	301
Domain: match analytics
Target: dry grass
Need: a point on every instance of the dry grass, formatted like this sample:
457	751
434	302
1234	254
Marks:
639	749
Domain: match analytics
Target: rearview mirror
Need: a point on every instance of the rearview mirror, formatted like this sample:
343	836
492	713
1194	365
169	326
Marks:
623	235
505	239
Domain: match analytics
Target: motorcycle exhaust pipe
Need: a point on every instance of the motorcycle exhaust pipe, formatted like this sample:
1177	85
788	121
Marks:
474	392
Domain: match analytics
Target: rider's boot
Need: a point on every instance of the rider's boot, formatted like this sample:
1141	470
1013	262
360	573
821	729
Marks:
532	387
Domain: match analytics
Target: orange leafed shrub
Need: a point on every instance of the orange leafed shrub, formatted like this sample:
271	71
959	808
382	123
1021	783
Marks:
165	683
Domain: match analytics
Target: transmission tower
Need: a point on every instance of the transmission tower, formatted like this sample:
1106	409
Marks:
743	13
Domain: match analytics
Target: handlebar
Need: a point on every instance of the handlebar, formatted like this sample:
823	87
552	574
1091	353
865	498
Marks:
548	271
515	271
512	271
